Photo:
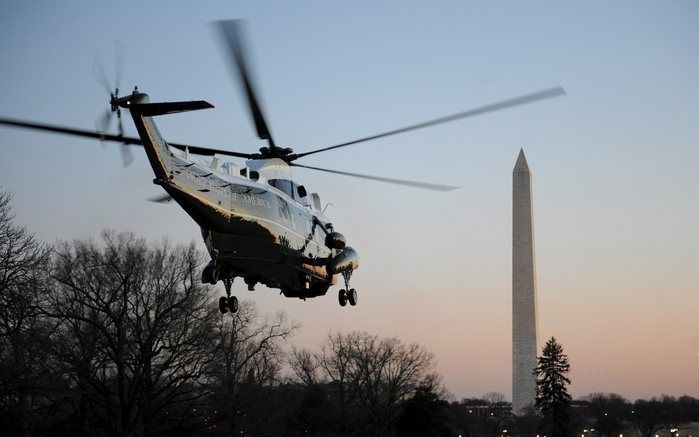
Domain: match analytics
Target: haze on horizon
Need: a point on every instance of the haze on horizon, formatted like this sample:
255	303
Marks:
614	163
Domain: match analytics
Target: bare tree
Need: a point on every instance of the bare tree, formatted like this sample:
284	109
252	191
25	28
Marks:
305	367
246	367
24	375
336	361
370	376
648	416
608	412
386	372
135	329
494	398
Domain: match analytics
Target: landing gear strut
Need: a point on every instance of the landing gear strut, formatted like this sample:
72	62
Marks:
347	294
228	303
211	275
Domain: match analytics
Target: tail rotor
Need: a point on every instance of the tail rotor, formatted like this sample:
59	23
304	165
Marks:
103	123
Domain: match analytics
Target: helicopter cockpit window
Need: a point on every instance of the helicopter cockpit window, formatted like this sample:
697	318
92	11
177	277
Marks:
285	186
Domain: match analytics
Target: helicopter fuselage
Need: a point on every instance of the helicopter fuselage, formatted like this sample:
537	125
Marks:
252	228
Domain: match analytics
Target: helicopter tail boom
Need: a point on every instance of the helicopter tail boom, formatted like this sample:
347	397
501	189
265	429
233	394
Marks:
155	145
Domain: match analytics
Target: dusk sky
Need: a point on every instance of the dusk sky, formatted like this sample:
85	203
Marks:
615	162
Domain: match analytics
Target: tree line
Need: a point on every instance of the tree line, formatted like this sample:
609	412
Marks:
598	414
119	337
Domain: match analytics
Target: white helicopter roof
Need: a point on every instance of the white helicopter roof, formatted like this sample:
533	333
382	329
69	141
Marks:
273	168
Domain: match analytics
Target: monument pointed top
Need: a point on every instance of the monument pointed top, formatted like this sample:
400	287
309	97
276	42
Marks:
521	165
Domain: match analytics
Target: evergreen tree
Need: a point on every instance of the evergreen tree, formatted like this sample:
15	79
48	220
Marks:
552	398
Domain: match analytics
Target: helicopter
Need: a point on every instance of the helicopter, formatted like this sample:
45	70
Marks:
257	223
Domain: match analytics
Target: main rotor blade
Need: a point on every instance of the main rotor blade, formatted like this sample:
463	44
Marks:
541	95
116	138
232	31
425	185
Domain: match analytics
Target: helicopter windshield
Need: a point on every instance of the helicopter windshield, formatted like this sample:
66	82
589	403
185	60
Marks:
286	186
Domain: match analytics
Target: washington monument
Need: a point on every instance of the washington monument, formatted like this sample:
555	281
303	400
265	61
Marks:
524	306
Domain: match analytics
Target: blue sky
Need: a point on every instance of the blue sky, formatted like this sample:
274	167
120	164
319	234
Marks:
614	162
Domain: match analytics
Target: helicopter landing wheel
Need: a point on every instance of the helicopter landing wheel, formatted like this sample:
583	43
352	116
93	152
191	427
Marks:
229	302
349	295
352	296
233	304
223	305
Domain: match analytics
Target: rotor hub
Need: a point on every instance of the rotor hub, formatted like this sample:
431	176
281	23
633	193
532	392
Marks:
276	152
